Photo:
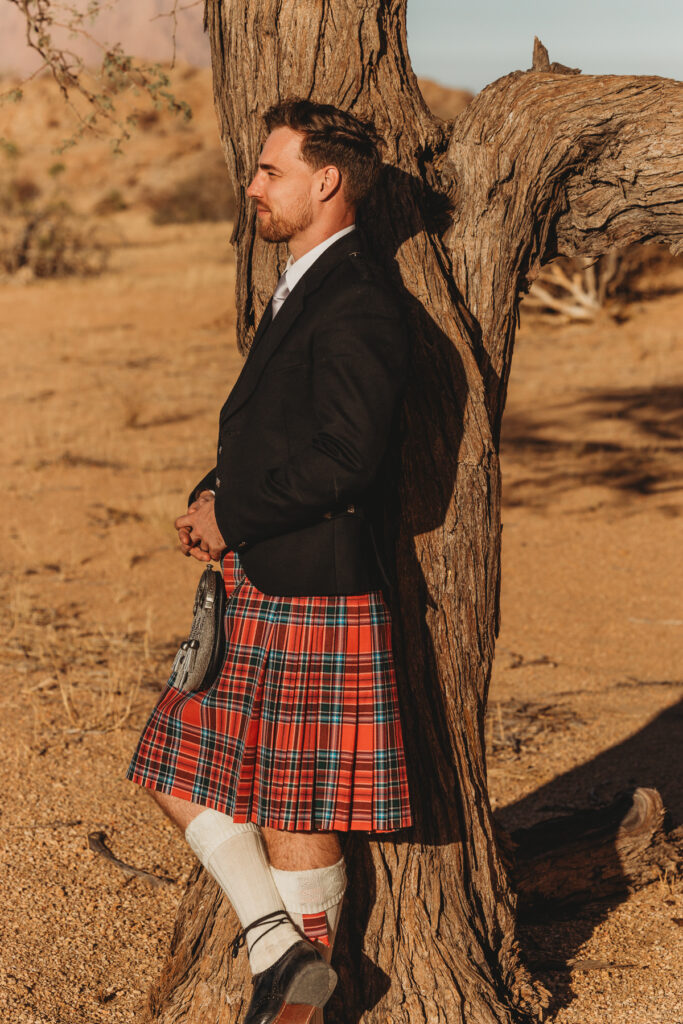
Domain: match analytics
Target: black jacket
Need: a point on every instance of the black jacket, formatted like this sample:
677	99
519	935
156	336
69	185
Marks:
305	429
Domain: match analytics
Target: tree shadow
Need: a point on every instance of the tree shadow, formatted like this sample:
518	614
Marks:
646	461
422	465
650	758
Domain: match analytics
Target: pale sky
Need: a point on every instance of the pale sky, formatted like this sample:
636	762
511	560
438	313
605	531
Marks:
471	44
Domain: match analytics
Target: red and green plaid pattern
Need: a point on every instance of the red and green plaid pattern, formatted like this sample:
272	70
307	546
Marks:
302	729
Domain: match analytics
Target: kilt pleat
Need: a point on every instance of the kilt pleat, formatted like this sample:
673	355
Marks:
302	728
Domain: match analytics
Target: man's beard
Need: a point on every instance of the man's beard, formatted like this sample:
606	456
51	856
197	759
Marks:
281	227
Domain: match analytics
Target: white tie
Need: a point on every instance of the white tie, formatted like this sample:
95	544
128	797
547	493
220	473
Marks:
279	295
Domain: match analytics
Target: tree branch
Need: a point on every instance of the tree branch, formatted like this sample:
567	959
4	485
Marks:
549	163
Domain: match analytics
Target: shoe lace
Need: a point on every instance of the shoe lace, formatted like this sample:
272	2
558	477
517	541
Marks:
280	916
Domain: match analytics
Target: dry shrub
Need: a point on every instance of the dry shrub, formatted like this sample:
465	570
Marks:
51	241
112	202
18	194
145	119
633	267
579	288
205	195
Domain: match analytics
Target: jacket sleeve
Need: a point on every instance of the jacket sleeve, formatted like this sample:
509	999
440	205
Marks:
207	482
359	368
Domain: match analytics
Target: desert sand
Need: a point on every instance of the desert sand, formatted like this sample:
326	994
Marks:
111	387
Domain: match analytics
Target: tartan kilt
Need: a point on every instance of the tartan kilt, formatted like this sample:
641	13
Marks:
301	730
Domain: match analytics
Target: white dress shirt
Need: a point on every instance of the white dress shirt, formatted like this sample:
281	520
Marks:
295	269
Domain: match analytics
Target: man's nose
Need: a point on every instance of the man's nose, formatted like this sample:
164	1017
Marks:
253	190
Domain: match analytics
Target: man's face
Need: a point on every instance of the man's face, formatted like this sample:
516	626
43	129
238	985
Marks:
282	188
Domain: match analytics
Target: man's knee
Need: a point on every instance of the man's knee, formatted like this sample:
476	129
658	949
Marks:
181	812
301	851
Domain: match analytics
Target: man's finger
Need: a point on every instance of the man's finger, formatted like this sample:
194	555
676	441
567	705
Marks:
185	539
201	556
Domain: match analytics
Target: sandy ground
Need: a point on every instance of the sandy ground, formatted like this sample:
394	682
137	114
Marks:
110	393
586	693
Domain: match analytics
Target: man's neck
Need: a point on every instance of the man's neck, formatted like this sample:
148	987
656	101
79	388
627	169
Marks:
299	245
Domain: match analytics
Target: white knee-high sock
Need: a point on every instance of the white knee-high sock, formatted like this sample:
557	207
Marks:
234	854
313	900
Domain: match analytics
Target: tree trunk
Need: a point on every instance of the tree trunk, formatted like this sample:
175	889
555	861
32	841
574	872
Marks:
540	163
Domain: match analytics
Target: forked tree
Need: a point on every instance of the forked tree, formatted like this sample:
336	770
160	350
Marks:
541	163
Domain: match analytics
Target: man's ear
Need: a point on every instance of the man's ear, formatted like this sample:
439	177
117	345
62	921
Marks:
329	182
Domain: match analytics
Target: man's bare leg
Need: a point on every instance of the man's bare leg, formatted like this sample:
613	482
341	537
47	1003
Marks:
290	851
301	851
181	812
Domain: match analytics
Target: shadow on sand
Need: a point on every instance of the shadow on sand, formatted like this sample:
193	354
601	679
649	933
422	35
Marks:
650	758
646	461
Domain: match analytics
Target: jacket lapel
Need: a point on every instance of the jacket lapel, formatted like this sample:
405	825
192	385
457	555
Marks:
271	331
264	324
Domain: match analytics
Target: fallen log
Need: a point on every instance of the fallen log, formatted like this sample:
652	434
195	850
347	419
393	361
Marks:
594	855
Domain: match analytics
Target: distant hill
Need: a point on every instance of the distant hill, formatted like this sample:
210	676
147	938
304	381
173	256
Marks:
165	156
442	100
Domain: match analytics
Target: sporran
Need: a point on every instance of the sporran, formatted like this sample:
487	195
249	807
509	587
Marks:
199	658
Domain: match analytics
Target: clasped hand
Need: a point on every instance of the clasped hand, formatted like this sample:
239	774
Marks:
198	531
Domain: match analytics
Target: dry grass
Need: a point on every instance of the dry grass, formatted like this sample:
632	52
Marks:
96	673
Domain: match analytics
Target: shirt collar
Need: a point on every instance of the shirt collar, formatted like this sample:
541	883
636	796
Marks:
295	269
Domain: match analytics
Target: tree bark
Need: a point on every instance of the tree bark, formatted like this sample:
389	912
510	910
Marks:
540	163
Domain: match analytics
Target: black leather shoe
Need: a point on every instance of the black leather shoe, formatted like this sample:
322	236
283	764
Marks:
291	988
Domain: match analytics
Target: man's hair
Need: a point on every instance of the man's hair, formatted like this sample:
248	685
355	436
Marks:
332	136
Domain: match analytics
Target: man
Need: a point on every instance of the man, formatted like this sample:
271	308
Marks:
300	737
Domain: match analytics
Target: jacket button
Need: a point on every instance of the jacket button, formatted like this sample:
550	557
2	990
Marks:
220	449
218	481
